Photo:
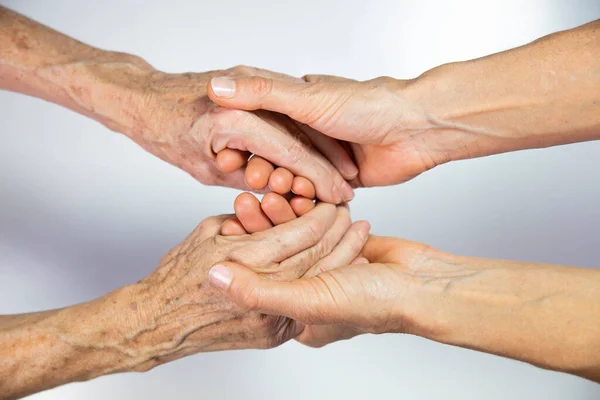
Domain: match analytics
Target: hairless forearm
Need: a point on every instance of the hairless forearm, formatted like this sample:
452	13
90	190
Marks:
542	94
546	315
42	350
41	62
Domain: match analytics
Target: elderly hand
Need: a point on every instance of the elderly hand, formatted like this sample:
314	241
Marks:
273	210
167	114
171	116
174	311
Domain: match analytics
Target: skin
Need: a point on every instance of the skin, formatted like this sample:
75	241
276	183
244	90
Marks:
545	315
348	250
174	311
543	94
169	115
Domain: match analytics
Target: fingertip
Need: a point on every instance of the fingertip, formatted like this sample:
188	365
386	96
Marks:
281	180
232	227
277	208
360	260
258	173
230	160
245	202
248	210
364	227
301	205
303	187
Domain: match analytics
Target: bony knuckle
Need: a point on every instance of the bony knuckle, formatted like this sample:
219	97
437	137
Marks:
297	152
260	86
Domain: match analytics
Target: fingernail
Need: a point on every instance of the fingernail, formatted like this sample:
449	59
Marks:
220	276
350	171
347	191
337	196
223	87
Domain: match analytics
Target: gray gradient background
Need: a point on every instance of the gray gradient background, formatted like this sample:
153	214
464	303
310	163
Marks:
84	210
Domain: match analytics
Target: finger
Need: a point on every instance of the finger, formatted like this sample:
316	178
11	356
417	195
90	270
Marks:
248	211
229	160
303	261
303	101
211	226
303	187
258	172
301	205
246	70
277	209
333	151
325	78
291	238
283	144
233	227
360	260
346	250
281	180
309	300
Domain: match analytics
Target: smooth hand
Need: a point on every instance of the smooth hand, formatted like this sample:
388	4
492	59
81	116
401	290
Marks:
389	134
351	299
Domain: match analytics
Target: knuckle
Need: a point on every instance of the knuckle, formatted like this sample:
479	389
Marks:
297	152
250	298
314	229
259	86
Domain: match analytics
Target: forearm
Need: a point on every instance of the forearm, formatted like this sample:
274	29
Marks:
38	61
542	314
42	350
543	94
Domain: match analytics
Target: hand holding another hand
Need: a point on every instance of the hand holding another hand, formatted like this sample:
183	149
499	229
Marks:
391	137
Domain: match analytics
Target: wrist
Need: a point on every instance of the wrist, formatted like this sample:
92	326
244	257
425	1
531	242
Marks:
105	86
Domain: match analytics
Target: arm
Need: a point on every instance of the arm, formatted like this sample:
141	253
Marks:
542	94
40	62
173	312
545	315
169	115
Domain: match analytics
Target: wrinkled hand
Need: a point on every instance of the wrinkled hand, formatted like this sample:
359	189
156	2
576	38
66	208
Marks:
256	216
178	123
391	136
349	300
175	312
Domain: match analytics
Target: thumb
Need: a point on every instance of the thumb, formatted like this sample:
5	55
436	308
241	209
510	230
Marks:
306	102
304	300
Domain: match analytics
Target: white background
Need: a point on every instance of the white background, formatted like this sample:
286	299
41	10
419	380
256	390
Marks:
84	210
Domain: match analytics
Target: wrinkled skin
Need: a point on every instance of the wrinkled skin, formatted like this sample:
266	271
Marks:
252	214
178	123
189	315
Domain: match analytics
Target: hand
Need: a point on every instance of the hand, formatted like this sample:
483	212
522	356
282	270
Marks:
184	128
343	301
255	216
188	315
391	137
174	311
536	313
